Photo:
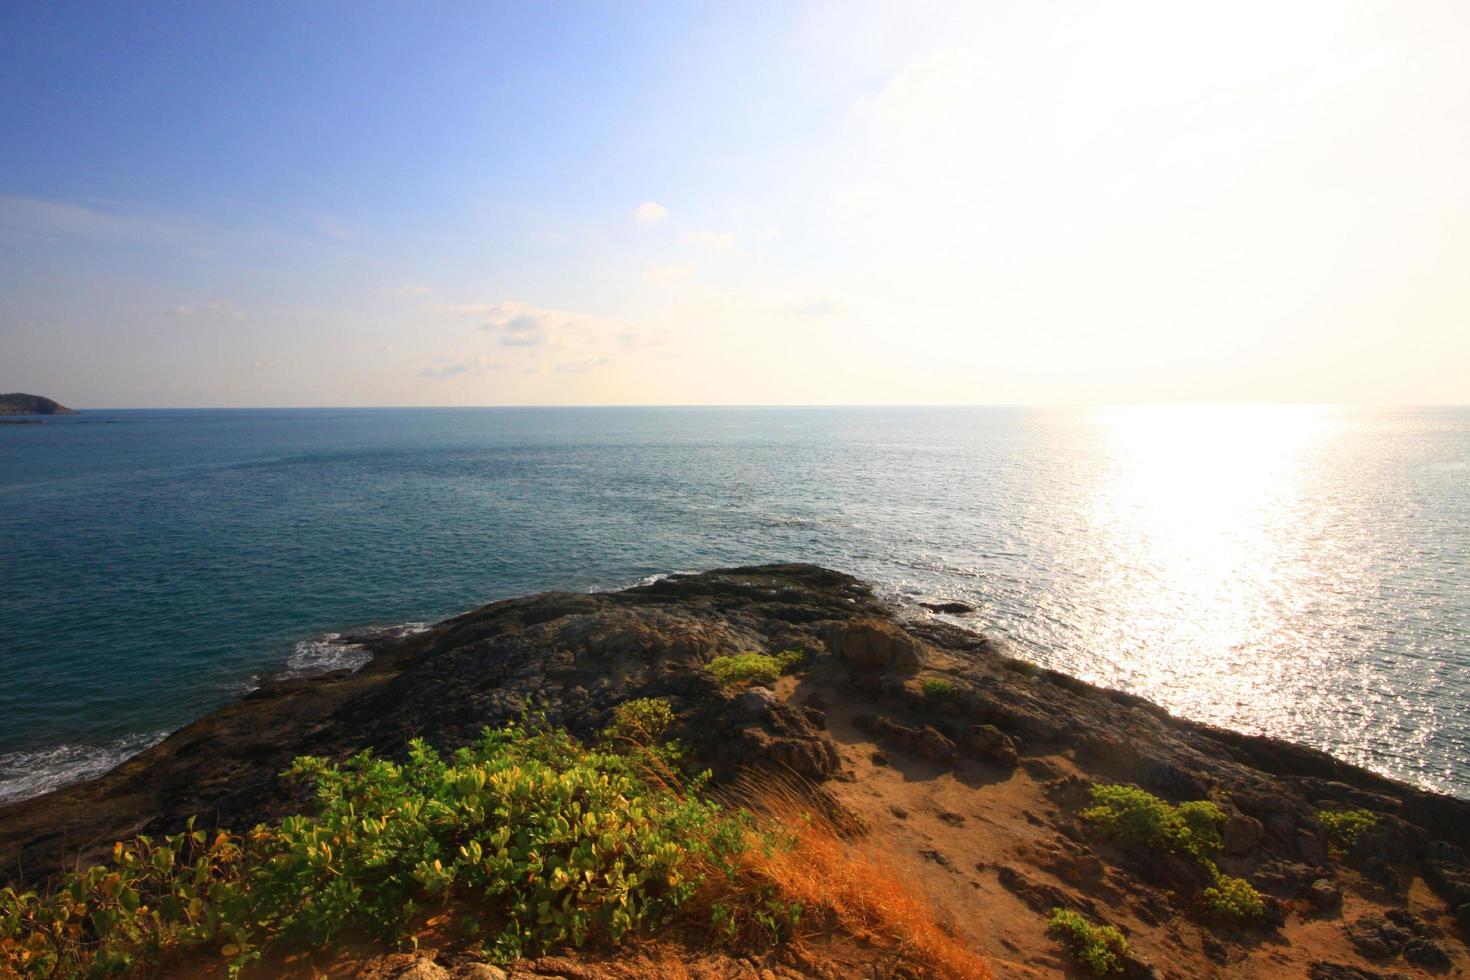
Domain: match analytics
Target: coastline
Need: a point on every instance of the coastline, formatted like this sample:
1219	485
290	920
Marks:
1012	745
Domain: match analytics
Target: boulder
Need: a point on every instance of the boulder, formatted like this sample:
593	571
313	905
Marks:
870	643
991	744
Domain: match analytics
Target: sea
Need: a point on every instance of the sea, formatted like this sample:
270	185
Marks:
1300	571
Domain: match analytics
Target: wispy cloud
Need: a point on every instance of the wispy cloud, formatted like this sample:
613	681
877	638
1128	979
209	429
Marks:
444	368
719	240
95	221
664	275
215	310
329	227
579	367
821	307
650	213
516	324
414	292
529	338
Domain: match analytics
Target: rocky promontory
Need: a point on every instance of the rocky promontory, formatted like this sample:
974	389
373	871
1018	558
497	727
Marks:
969	766
18	403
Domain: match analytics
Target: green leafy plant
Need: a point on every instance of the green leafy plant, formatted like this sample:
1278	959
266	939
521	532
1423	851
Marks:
1192	829
1134	816
643	721
1102	949
755	668
1235	898
938	689
547	841
1345	827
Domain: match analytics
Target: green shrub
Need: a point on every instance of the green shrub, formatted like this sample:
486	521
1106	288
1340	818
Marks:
938	689
1102	949
643	721
1235	898
755	668
1134	816
1344	827
548	841
1193	829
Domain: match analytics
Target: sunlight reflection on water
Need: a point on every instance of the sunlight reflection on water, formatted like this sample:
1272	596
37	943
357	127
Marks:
1229	580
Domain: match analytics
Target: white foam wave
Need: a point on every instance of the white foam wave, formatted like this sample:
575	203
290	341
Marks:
27	774
333	651
324	655
647	580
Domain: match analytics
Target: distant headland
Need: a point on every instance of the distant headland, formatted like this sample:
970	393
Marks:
19	403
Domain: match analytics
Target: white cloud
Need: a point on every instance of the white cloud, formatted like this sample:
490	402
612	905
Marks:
522	325
215	310
720	240
578	367
522	330
650	212
821	307
666	274
444	368
414	292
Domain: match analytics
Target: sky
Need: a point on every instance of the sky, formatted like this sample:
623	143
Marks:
365	203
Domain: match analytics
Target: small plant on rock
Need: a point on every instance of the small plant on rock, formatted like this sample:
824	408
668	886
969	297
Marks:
938	689
755	668
643	721
1235	898
1344	827
1102	949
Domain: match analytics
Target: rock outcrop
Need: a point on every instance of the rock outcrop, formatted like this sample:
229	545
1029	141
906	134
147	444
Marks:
574	657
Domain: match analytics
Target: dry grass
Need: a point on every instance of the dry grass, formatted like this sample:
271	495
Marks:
841	880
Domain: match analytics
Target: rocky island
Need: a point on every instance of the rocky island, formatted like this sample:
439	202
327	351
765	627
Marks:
18	403
1045	825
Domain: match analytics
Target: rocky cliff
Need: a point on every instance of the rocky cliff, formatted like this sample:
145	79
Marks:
969	764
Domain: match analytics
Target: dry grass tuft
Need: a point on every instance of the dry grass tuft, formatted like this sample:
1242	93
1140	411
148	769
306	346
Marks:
840	880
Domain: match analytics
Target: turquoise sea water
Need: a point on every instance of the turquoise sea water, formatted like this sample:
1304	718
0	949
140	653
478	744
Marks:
1296	571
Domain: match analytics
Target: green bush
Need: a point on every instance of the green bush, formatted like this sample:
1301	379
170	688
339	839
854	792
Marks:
1193	829
1102	949
1235	898
549	842
1133	816
643	721
1344	827
938	689
755	668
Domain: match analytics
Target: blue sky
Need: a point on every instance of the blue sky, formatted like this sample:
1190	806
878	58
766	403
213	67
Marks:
360	203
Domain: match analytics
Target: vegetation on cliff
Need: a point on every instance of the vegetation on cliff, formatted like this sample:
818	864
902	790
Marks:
1191	829
534	839
1102	949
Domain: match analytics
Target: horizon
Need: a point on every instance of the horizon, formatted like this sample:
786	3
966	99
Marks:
1182	406
816	204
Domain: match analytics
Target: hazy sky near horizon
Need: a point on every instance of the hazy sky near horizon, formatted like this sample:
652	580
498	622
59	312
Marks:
364	203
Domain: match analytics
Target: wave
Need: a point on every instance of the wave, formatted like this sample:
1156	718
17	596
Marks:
336	651
27	774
